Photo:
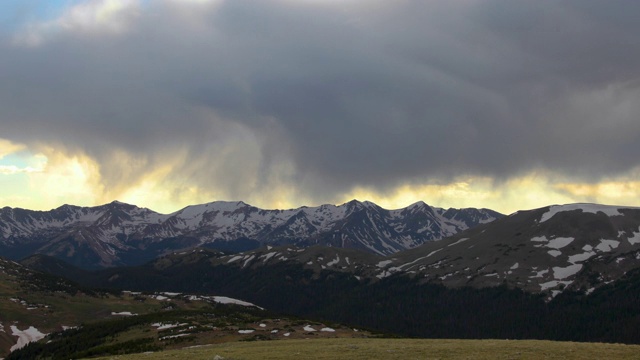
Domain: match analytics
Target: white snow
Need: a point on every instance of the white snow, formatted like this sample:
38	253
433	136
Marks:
263	325
410	264
162	326
587	208
173	336
235	258
581	257
268	256
248	260
539	239
123	313
327	329
559	243
25	336
384	263
553	283
433	252
607	245
308	328
275	331
635	239
561	273
554	253
540	274
459	241
228	300
286	334
334	261
515	266
245	331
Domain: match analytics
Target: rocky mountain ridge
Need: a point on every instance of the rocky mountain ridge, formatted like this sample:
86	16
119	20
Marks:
121	234
577	247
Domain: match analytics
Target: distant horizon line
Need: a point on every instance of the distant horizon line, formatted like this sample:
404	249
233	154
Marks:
418	202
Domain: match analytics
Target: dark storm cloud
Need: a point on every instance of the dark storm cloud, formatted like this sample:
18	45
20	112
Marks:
372	93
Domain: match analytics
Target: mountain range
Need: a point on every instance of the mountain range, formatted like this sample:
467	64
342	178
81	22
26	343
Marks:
577	247
117	234
561	272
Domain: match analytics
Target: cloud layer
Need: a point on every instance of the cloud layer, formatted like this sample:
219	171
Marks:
313	99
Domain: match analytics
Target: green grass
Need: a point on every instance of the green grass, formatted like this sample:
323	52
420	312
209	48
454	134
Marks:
24	304
397	349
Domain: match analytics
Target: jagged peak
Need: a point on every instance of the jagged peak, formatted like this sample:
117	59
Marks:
223	206
358	203
418	205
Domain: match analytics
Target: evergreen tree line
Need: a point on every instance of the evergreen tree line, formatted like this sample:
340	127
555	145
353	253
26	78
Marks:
402	305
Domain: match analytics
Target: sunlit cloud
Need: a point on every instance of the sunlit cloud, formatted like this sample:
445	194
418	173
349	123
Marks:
7	147
12	169
529	191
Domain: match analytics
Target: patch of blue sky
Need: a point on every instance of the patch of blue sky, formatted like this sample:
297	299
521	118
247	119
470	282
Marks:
19	159
15	13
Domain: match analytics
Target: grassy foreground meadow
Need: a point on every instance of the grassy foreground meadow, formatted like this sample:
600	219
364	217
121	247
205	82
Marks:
366	349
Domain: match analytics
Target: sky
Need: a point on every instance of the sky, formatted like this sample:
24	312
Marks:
507	105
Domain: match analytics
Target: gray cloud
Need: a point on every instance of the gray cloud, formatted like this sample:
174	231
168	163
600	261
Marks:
372	93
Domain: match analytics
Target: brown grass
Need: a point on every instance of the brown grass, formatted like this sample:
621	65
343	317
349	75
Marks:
398	349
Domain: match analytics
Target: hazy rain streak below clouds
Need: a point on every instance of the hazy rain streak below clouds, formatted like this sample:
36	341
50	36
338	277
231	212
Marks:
372	93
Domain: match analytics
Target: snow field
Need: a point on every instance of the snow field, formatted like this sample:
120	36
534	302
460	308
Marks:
25	336
587	208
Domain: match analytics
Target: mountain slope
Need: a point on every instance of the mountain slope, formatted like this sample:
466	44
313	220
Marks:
338	285
576	246
120	234
82	322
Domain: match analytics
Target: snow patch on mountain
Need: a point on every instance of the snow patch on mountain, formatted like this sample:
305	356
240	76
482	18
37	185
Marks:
553	283
607	245
228	300
554	253
555	243
433	252
459	241
334	261
560	242
634	239
25	336
581	257
587	208
561	273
